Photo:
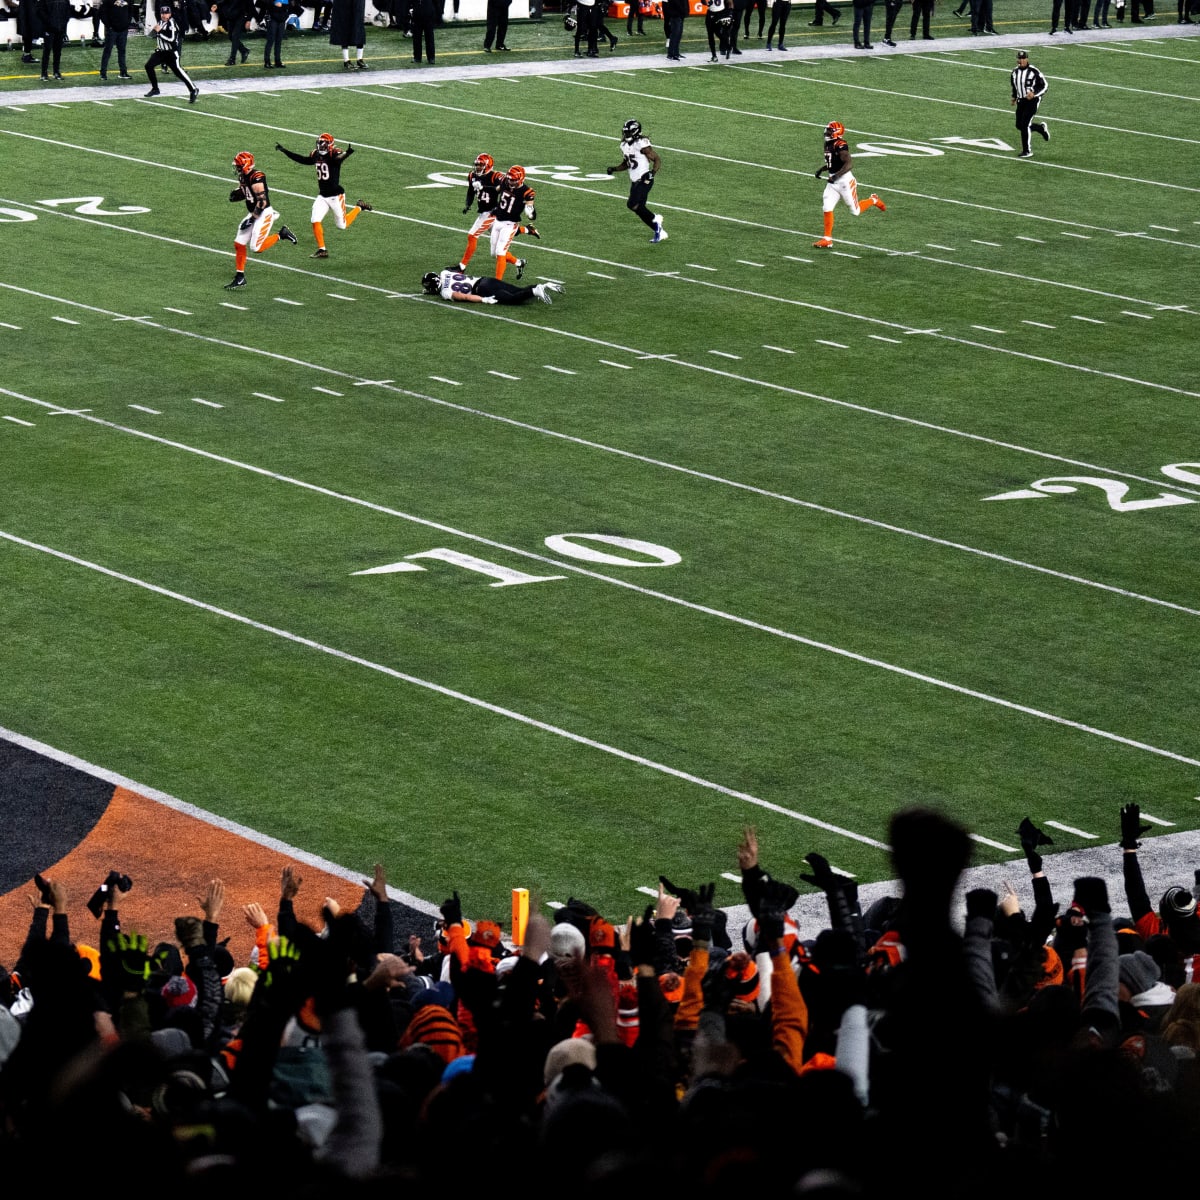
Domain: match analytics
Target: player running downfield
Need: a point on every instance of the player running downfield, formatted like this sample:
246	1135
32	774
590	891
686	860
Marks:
254	232
842	184
331	196
642	162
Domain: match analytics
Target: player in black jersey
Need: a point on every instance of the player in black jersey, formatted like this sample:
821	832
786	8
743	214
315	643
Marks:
513	197
254	231
842	185
483	185
331	196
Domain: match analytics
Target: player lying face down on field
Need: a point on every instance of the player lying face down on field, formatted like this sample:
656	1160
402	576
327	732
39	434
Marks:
455	285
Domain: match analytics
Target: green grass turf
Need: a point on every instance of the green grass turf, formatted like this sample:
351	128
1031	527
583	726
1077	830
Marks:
852	626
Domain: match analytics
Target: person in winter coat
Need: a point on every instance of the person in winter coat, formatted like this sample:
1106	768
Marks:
347	27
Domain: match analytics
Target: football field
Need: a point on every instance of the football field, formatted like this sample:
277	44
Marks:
736	531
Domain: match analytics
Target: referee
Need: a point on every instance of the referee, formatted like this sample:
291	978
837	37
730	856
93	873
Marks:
166	54
1028	88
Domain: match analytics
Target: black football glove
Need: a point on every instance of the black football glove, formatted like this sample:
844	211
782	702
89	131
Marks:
704	914
1031	838
1132	826
688	899
823	875
643	944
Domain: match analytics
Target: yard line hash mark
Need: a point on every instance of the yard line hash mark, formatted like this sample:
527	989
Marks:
745	262
1083	833
880	338
1087	237
285	300
327	391
608	362
558	370
154	412
443	379
1088	320
988	329
835	345
501	375
725	354
206	403
229	304
1144	316
779	349
1156	820
6	325
983	841
18	421
183	312
339	296
601	275
65	320
1038	324
268	396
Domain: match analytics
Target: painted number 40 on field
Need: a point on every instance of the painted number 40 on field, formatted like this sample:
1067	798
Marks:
1114	490
634	553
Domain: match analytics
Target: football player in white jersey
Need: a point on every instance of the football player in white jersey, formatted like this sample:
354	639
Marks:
638	157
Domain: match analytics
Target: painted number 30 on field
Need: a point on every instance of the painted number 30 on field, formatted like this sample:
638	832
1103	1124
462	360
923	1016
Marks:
612	551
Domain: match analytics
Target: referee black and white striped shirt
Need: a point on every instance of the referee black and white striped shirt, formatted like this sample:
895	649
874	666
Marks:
1026	79
167	33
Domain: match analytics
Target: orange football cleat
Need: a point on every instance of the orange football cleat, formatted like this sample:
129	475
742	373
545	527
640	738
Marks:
823	244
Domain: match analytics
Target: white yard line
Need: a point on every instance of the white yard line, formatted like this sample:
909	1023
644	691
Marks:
450	693
957	546
675	600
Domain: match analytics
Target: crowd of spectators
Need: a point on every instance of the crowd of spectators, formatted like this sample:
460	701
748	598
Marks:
908	1047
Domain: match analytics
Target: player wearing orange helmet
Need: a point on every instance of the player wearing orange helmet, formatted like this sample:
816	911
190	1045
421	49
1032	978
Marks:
841	184
513	197
331	196
254	231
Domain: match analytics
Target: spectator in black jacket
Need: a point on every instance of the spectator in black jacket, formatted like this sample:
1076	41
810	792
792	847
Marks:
235	17
117	16
29	27
277	15
347	27
424	24
53	15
